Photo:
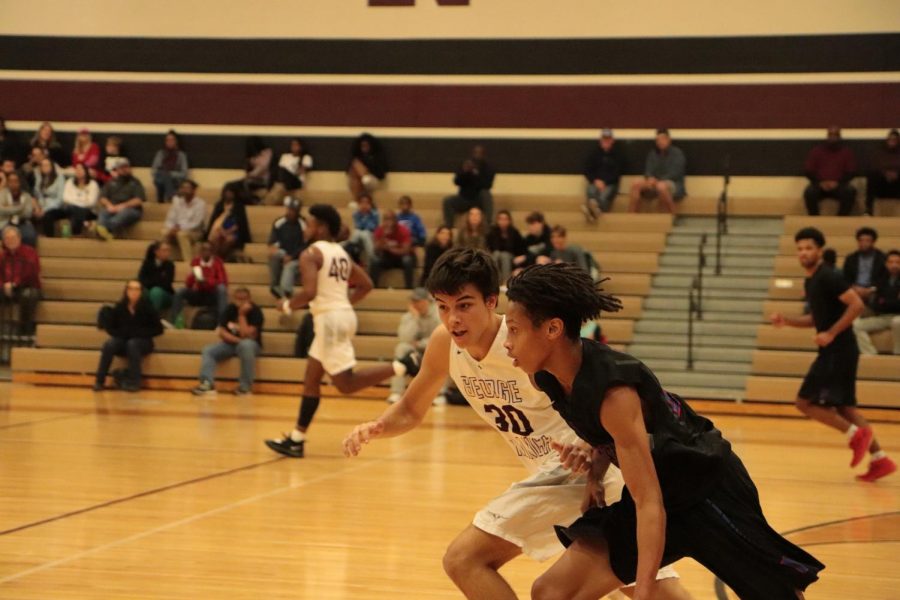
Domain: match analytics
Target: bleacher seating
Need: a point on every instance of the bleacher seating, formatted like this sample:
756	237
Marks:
79	274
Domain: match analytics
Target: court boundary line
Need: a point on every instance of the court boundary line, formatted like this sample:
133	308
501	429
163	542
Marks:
211	512
143	494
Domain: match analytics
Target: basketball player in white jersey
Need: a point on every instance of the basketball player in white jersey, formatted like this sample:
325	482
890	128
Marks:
327	274
468	346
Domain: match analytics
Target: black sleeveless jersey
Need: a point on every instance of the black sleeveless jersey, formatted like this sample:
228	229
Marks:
687	449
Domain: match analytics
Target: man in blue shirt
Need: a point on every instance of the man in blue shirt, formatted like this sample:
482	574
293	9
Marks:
286	242
663	175
865	267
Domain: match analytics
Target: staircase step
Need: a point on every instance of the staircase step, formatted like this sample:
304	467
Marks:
735	224
710	294
754	317
700	341
677	238
658	365
709	272
726	282
680	304
699	380
728	262
644	352
701	328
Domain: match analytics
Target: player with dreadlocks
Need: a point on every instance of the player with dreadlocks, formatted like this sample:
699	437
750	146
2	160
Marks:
686	492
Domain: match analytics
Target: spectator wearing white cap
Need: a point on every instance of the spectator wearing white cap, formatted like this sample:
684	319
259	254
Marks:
413	333
121	202
603	168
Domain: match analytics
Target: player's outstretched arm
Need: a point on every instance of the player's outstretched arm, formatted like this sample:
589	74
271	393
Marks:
409	411
621	416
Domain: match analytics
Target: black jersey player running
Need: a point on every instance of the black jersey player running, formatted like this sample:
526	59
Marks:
687	493
828	393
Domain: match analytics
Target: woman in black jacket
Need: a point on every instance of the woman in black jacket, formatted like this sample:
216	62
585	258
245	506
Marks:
132	325
228	229
505	244
157	274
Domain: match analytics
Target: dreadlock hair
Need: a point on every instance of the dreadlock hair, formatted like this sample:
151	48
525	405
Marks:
459	266
561	291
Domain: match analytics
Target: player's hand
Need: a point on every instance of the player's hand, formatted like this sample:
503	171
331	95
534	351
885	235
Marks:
593	495
824	338
573	457
361	434
286	307
777	319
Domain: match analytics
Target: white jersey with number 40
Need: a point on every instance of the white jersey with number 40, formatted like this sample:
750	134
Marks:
504	397
331	292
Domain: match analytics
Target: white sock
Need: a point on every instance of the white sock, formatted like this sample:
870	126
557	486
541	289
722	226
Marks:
298	436
399	368
879	455
852	431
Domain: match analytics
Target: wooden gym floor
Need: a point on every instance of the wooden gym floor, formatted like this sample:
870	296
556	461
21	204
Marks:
160	495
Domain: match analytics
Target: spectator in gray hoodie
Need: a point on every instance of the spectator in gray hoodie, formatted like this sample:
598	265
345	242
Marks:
663	175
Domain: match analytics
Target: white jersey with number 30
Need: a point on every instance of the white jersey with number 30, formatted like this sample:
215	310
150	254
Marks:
331	292
504	397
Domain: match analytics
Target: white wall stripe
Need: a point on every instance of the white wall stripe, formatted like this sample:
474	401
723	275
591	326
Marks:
500	80
473	133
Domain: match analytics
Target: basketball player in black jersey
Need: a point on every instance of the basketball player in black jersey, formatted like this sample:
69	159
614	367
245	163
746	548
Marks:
828	392
687	493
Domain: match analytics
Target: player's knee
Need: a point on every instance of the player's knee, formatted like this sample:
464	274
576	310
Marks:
455	562
544	588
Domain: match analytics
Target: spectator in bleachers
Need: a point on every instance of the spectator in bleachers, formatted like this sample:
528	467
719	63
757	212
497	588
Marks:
440	243
286	242
205	285
413	333
664	173
240	330
563	252
157	275
20	277
602	169
473	233
259	169
10	148
411	220
830	167
121	202
169	168
80	195
393	250
16	206
228	230
537	241
32	166
293	168
885	303
45	139
132	326
49	187
184	220
113	150
866	266
86	152
365	221
884	179
474	178
505	244
368	165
